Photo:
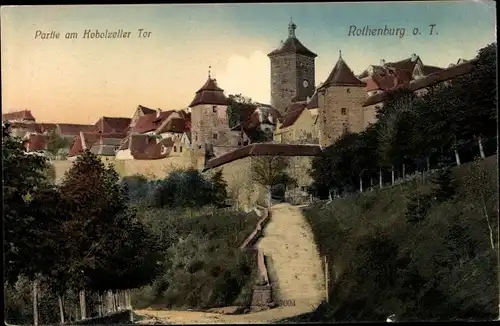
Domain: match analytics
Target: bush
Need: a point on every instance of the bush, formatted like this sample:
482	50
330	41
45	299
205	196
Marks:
204	267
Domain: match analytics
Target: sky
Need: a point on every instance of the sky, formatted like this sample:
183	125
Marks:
79	80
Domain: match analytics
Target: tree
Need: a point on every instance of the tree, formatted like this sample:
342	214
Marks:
444	187
239	108
220	187
265	171
27	218
184	188
56	142
476	97
393	129
96	202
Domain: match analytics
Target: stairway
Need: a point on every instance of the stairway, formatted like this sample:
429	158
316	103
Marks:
294	264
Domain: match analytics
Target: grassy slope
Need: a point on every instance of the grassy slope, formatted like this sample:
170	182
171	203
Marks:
380	264
203	265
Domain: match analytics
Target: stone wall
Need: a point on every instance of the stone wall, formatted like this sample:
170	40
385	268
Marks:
340	109
205	123
238	175
149	168
288	73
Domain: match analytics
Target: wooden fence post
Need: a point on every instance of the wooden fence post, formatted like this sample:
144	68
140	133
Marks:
326	279
35	302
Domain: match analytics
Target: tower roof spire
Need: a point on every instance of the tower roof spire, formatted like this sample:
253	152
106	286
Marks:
291	28
209	67
340	54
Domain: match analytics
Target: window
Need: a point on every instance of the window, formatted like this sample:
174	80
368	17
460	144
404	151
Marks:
196	137
180	149
214	108
215	136
348	90
343	111
175	148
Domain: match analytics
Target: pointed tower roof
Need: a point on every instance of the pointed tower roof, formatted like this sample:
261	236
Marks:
292	45
342	75
209	93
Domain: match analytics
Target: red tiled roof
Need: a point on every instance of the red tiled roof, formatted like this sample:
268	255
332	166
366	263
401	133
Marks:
18	115
177	125
313	102
292	45
342	75
89	139
43	127
431	69
76	147
405	64
264	150
291	116
209	93
145	110
145	147
113	124
147	123
68	129
37	142
429	80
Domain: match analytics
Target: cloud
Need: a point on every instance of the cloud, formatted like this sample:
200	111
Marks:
249	76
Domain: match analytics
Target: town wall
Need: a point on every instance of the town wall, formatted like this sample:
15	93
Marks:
241	187
149	168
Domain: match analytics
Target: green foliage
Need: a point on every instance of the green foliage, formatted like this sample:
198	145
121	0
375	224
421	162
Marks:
23	177
219	186
188	188
444	187
441	268
267	170
56	142
237	108
110	250
203	266
417	207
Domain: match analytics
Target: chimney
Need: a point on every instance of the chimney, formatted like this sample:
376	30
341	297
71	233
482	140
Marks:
413	57
382	62
158	111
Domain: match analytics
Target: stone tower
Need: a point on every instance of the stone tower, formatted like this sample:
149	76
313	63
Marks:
209	120
292	72
340	104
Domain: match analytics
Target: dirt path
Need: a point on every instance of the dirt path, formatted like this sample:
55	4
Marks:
296	272
295	264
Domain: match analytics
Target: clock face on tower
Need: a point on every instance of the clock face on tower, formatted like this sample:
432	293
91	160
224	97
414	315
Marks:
305	83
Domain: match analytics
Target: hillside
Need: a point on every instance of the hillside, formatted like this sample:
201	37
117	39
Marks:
204	267
382	263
